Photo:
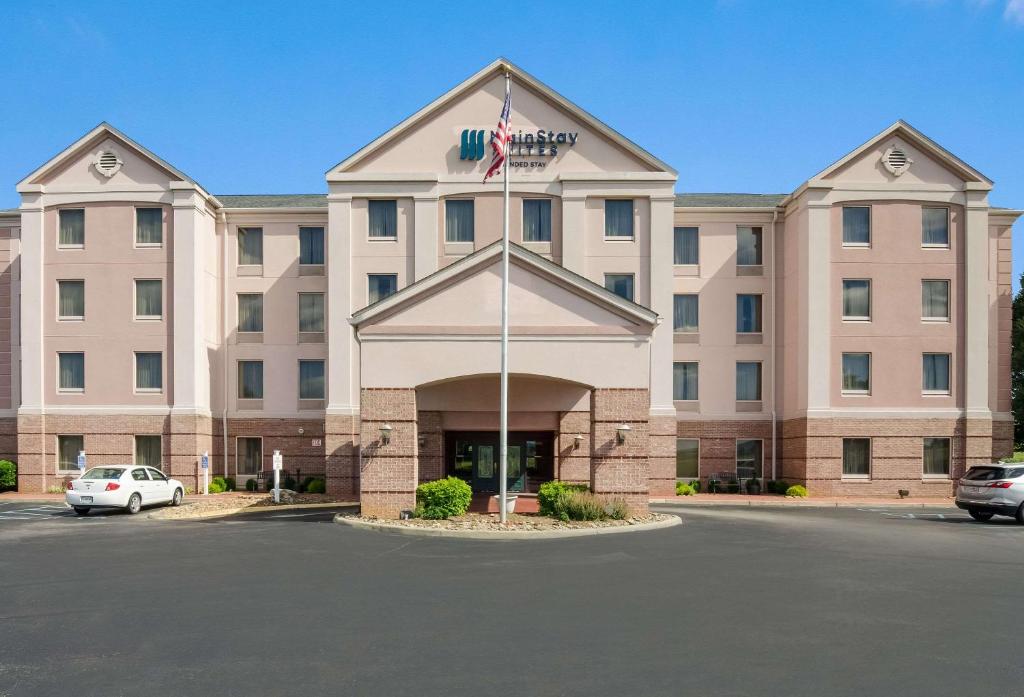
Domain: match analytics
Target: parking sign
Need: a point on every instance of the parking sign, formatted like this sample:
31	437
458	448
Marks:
204	461
278	460
81	459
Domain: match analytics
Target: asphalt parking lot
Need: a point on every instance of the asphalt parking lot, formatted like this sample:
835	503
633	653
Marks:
736	601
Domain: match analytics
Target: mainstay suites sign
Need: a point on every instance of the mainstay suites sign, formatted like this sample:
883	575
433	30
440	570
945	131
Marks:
539	143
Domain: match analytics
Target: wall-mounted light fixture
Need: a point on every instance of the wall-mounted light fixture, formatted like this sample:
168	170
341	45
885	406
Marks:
422	440
385	433
301	430
621	432
577	441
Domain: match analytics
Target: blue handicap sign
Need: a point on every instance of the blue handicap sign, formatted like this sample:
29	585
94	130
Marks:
205	462
81	461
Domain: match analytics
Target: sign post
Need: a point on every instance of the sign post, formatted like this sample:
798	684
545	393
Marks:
278	463
204	462
81	460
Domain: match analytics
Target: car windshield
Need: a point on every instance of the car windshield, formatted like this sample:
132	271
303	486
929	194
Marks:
103	473
986	474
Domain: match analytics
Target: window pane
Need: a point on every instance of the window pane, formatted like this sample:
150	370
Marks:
311	246
250	455
687	458
684	381
250	246
935	299
856	225
147	451
748	381
71	298
856	456
250	379
311	312
686	247
149	226
537	220
71	369
311	379
857	299
71	228
620	283
748	246
936	372
250	312
148	371
936	456
618	218
458	221
685	311
381	286
748	314
935	226
149	298
748	459
68	448
383	218
856	372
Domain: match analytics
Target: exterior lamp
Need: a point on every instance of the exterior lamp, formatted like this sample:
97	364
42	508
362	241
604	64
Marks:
577	441
621	432
385	433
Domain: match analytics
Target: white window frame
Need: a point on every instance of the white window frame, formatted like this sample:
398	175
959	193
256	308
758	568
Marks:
949	303
298	244
135	374
70	246
135	450
871	460
690	479
386	238
760	382
736	455
237	450
263	249
856	393
238	381
949	229
135	301
693	227
760	296
619	238
949	464
621	273
761	246
949	374
685	331
871	301
298	310
135	229
368	276
686	401
70	318
69	390
57	438
298	376
871	229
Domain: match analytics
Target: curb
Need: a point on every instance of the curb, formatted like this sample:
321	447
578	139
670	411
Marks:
152	515
670	522
802	504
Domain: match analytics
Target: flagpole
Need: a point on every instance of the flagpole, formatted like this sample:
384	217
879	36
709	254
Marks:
503	447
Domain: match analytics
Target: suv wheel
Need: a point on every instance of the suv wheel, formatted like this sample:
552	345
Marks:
1020	514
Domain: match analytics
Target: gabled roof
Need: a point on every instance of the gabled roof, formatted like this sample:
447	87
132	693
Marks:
500	66
729	200
919	140
273	200
101	131
486	256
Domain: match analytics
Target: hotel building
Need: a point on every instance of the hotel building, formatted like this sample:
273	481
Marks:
853	335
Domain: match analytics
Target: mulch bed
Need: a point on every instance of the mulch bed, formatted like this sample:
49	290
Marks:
226	504
516	521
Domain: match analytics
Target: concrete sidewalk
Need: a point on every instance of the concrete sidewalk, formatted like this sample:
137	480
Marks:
809	502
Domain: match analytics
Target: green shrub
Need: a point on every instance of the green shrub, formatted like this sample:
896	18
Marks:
776	486
695	485
8	475
288	483
442	498
229	483
217	485
578	505
549	491
797	490
317	486
251	485
304	484
617	509
684	489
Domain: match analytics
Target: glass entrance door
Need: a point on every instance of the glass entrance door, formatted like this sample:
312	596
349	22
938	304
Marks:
473	457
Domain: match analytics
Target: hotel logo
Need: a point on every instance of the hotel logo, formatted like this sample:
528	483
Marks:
472	145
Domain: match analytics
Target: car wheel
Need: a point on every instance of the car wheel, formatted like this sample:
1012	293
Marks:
1020	514
176	499
980	516
81	510
134	504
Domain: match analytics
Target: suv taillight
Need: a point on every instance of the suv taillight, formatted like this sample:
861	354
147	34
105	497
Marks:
112	486
1000	485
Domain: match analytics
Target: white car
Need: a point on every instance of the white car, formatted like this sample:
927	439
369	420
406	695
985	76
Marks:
122	486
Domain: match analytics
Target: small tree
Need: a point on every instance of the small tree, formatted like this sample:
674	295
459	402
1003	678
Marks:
1017	367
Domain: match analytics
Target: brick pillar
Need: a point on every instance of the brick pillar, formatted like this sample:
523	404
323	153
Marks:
573	460
188	437
31	456
431	450
620	470
341	436
662	460
387	472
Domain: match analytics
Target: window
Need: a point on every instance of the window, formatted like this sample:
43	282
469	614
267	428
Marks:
857	299
381	286
687	458
71	227
536	220
71	299
685	246
311	379
748	381
250	455
684	381
856	226
620	283
311	312
618	218
140	475
749	458
458	221
149	375
250	246
857	373
71	371
935	227
148	451
155	474
383	219
149	227
935	301
149	302
936	457
311	246
748	246
685	313
748	314
250	312
68	448
250	379
856	457
936	373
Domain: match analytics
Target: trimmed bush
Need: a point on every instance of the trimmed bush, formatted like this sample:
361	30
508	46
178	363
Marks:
684	489
304	484
218	485
796	490
8	475
578	505
317	486
229	483
550	491
442	499
251	485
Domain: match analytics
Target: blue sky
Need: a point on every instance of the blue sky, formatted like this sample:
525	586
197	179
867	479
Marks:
738	95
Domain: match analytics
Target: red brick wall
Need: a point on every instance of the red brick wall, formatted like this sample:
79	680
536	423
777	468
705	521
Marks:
718	443
573	463
341	449
387	471
620	470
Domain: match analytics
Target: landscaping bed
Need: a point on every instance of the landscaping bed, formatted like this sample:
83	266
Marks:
518	522
227	504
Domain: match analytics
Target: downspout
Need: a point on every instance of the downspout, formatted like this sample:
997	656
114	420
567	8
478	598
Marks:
224	335
774	357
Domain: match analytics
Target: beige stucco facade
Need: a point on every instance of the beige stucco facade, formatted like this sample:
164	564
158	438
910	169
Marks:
585	362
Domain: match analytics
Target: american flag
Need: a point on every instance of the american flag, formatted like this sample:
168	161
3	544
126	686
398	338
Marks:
499	142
